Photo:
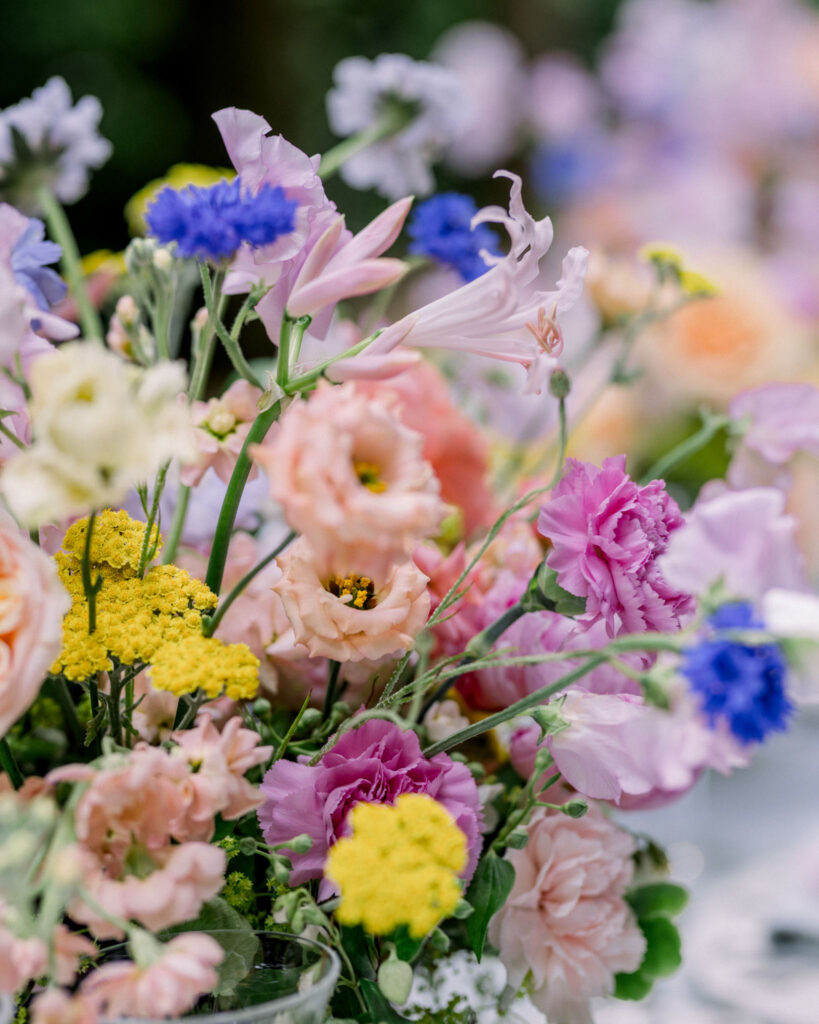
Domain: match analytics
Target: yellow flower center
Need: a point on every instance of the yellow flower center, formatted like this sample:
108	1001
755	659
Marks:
370	475
360	588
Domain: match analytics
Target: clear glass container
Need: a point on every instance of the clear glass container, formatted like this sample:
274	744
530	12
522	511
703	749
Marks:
290	981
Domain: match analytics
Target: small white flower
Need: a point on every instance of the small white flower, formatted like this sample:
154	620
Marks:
365	91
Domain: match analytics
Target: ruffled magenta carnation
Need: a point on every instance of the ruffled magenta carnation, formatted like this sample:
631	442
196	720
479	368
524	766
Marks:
607	533
375	763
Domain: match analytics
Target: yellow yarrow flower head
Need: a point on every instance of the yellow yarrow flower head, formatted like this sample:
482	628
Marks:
116	543
204	663
671	263
177	177
399	867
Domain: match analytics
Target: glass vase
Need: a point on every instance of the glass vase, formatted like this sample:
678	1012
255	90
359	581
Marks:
289	980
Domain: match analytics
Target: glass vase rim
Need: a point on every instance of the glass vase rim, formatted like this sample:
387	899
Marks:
246	1015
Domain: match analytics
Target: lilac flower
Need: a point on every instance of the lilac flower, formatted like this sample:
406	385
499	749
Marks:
428	99
29	261
376	763
501	314
442	229
739	683
211	223
44	140
784	420
607	533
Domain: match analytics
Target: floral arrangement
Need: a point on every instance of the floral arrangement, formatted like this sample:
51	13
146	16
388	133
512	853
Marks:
313	650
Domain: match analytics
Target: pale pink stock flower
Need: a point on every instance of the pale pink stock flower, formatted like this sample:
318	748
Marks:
21	960
154	711
502	313
69	947
351	478
219	762
32	604
54	1006
221	426
330	626
184	970
565	926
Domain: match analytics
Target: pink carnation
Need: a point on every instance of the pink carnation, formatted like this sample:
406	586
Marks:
351	477
607	533
376	763
168	987
331	626
565	925
222	424
32	604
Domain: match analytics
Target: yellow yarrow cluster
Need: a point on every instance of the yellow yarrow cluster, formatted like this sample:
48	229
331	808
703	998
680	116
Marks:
116	543
668	258
204	663
400	866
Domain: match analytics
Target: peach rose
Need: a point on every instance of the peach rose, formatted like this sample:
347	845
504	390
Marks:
351	477
565	925
33	602
349	616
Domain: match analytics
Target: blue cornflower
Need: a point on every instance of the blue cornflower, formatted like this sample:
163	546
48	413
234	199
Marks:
440	228
743	684
213	222
29	259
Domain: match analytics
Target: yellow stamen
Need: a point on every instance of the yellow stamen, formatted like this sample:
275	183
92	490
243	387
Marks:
370	475
360	588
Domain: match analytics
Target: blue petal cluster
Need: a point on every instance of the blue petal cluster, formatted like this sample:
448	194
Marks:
29	259
440	228
212	223
740	683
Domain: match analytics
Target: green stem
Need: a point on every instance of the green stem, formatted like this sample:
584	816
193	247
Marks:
211	623
69	711
4	430
283	355
91	587
395	117
203	356
711	426
234	353
233	495
308	378
180	513
149	539
191	703
332	687
60	231
115	720
533	699
9	765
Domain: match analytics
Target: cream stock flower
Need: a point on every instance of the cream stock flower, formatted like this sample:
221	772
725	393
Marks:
351	477
101	426
351	617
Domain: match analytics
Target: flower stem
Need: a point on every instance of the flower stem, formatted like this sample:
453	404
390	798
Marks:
711	426
91	587
394	118
210	623
60	692
233	495
231	344
8	763
332	687
60	230
150	538
180	513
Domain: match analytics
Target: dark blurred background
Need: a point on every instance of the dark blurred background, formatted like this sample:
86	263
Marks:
161	67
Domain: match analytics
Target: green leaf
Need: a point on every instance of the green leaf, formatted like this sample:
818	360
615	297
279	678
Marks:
544	592
492	883
381	1011
634	986
661	899
663	955
234	935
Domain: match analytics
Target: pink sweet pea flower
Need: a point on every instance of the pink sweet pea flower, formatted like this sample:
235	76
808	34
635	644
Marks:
502	313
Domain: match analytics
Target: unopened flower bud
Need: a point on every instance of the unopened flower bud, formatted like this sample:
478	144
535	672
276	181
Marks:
559	384
262	706
395	980
301	844
127	310
163	261
200	319
575	808
517	839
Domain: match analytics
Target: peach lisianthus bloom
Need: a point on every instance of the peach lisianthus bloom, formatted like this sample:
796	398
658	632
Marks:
351	476
221	426
565	925
348	616
54	1006
32	604
69	947
184	970
21	960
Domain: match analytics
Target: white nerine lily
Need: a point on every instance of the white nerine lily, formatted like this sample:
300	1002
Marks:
501	314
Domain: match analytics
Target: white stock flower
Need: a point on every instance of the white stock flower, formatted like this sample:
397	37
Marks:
101	426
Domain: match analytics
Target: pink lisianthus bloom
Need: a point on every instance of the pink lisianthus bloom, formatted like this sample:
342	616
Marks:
607	533
33	602
184	970
69	947
367	618
502	313
221	426
616	747
375	763
54	1006
743	538
457	451
351	478
220	761
565	928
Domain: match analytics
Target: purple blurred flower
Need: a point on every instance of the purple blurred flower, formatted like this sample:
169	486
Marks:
29	261
44	140
607	534
784	420
376	763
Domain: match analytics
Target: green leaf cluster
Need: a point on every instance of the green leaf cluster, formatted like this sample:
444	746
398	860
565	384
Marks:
654	905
